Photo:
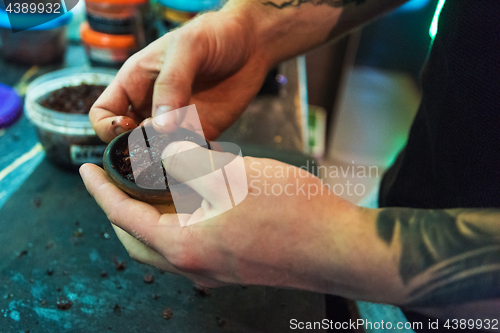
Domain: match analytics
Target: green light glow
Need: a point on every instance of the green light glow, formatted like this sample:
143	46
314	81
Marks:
434	26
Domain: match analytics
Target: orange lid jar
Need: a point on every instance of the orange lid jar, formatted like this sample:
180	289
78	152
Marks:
107	50
122	17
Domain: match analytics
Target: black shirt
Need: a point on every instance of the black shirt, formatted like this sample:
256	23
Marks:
452	158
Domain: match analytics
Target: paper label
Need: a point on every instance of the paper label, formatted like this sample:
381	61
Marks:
86	154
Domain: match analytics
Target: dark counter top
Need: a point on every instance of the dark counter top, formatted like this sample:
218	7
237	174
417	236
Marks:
57	244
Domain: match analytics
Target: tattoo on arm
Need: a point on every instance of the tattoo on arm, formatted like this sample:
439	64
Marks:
448	256
297	3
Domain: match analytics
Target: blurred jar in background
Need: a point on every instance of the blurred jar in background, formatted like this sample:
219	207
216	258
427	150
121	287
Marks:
41	45
107	50
119	17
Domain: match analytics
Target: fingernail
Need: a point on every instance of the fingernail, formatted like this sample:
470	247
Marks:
119	130
162	109
81	170
165	117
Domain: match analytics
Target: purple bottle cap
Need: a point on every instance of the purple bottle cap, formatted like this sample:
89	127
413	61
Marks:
10	106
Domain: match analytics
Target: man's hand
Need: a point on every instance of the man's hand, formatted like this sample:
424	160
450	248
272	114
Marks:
211	62
288	232
219	61
292	232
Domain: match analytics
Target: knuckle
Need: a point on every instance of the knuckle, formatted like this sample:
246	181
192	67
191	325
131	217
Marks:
114	211
93	113
133	61
193	31
185	259
112	216
182	261
170	77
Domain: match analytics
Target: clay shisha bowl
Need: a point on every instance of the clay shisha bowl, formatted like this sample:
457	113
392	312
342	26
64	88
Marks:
113	160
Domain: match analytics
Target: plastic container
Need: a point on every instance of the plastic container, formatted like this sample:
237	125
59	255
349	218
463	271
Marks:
105	50
11	106
68	139
122	17
40	45
175	12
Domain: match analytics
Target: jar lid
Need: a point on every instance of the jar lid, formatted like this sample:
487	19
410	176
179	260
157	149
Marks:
10	107
57	22
192	6
99	39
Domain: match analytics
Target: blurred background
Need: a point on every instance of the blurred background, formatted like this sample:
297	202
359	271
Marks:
367	86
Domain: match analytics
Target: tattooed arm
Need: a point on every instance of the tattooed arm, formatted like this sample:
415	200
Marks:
286	28
442	262
448	261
